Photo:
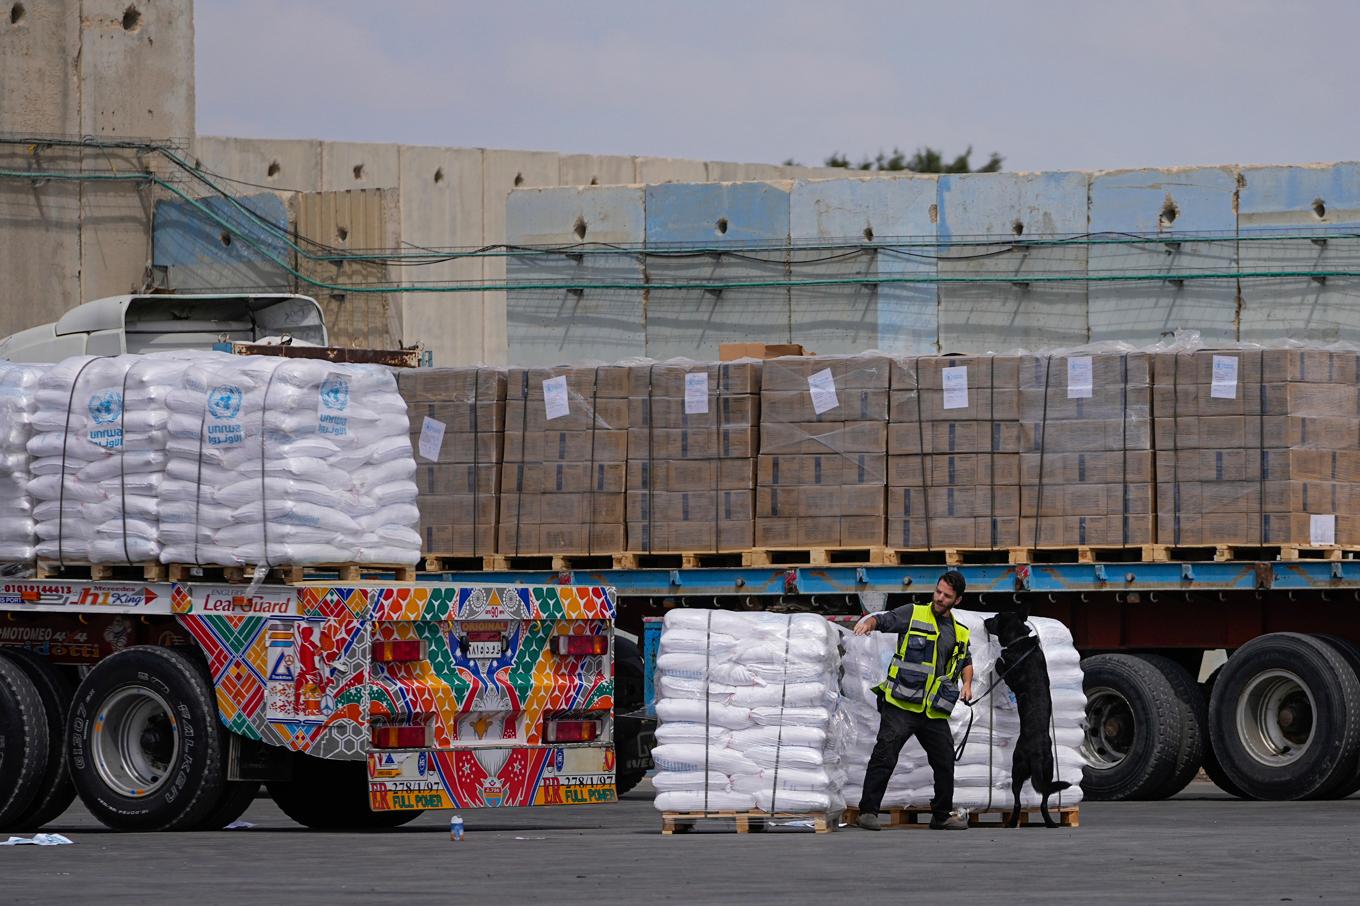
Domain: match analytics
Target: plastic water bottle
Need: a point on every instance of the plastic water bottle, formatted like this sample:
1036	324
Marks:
456	827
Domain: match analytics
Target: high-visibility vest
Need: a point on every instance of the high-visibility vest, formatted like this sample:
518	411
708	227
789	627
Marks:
915	682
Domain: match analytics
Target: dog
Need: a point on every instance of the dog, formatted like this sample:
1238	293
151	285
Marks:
1023	668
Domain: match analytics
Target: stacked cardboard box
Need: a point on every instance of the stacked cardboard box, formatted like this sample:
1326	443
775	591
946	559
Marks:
457	418
823	444
566	446
1257	447
953	445
1086	450
692	441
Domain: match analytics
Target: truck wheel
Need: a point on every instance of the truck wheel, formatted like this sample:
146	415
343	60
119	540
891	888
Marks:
56	792
326	794
1351	653
1212	767
1285	717
23	743
146	750
235	799
628	731
1194	719
1134	728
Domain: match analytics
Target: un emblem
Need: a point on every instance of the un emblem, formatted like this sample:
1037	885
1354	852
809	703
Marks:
106	406
224	401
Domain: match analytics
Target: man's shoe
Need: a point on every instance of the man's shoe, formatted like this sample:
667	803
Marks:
953	822
869	821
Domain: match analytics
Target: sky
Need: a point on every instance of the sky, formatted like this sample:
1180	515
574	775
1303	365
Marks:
1047	84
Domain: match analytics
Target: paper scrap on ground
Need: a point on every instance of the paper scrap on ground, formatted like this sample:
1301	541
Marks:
822	386
240	825
39	840
696	393
955	382
1079	381
1224	386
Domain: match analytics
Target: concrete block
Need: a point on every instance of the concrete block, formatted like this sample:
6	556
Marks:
1184	203
441	208
242	253
992	316
39	239
286	165
136	69
346	166
898	318
596	170
737	217
115	226
38	69
502	172
547	327
656	170
724	171
351	221
1312	201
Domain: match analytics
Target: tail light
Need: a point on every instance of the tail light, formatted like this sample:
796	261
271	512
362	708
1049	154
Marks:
575	645
571	730
399	737
394	652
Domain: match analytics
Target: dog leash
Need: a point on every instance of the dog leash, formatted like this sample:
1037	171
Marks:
1000	675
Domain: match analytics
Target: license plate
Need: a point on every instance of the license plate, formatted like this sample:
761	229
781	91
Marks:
485	650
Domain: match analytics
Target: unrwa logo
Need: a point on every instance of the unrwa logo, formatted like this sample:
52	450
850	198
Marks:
106	406
224	401
335	393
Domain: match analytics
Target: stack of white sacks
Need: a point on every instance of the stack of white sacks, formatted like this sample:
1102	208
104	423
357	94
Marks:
982	778
746	704
18	530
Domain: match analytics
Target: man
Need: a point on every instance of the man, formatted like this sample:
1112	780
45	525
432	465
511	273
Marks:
918	696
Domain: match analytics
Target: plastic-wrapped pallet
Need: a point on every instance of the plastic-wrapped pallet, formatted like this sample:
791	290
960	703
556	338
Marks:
288	462
746	705
982	777
18	400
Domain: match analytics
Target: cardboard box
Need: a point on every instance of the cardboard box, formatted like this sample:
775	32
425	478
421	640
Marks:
954	470
853	372
814	439
830	470
661	412
852	405
566	446
458	478
1116	467
692	475
730	352
954	437
686	506
660	444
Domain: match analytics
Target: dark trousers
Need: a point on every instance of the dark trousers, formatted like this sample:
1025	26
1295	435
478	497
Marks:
895	728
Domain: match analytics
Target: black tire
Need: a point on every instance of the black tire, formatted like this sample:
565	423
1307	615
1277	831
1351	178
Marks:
629	697
1262	696
23	743
236	798
332	795
1212	767
1140	733
182	762
1350	652
55	688
1195	721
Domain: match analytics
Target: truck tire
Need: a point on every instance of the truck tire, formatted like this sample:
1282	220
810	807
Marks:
1194	719
326	794
1351	653
628	699
1135	724
235	799
23	743
1212	767
56	791
1285	717
145	742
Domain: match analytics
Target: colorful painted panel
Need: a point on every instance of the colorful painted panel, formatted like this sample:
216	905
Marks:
492	777
493	602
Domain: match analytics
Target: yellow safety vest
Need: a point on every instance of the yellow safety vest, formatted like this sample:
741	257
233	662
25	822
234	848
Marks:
914	681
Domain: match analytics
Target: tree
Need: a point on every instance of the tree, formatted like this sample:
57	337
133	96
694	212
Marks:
925	160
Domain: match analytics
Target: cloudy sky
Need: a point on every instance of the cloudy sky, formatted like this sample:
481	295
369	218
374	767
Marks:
1048	84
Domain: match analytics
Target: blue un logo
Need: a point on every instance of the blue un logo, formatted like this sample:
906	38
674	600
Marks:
106	406
335	393
224	401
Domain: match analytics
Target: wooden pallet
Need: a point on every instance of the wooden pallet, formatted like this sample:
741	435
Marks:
553	562
1066	816
820	556
149	571
681	560
459	563
746	822
293	575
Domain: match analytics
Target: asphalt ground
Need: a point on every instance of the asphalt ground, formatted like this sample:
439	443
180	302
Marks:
1201	847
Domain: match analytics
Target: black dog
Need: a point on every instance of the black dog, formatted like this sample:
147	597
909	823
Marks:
1025	671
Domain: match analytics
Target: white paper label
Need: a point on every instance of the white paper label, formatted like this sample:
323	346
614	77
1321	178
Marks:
431	438
1079	377
1225	378
822	386
1322	530
555	404
696	393
955	387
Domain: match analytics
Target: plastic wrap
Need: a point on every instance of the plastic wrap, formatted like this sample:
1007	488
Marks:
823	452
692	442
563	473
18	401
457	420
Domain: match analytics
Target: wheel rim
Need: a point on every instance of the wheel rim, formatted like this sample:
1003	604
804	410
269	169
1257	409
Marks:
136	741
1109	728
1275	717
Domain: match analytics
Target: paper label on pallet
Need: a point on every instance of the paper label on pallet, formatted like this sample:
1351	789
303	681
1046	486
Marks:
555	403
1079	377
696	393
1322	529
431	438
1224	386
955	383
822	386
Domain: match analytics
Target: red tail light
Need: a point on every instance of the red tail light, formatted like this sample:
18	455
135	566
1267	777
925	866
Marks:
571	730
392	652
582	644
399	737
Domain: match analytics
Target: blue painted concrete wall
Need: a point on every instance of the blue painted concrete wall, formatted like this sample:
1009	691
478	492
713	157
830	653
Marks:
199	253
